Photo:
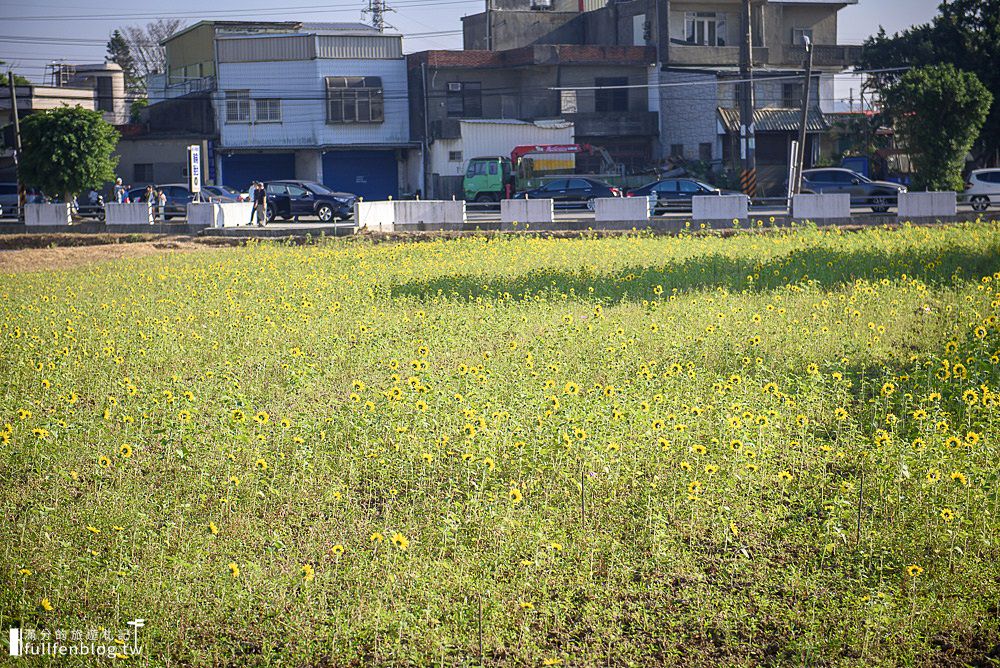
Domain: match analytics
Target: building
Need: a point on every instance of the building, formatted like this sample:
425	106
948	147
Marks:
320	102
697	64
533	94
105	80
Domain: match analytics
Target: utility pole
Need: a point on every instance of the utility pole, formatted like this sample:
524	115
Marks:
805	116
378	9
748	147
17	146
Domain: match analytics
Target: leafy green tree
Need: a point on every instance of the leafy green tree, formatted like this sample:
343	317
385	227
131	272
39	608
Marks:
120	52
135	109
966	34
67	151
938	111
18	79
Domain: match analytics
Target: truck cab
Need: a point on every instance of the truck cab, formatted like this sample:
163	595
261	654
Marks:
486	178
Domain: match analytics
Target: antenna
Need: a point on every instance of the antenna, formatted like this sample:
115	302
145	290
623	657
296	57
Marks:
378	9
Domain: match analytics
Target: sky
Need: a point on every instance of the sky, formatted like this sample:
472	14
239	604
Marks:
36	32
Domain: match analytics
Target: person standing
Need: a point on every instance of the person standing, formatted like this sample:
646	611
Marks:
260	204
161	202
119	192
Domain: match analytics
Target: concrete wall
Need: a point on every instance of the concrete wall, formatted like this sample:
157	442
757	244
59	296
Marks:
430	214
526	211
621	209
135	213
201	214
821	207
233	214
46	214
375	215
721	207
927	205
167	156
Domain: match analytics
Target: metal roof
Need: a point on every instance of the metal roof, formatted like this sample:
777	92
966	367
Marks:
774	120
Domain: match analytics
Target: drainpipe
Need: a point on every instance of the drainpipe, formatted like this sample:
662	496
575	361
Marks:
425	148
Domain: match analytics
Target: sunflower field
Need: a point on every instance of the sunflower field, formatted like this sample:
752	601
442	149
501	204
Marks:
770	449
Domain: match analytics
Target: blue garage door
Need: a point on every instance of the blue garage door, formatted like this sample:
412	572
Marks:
373	175
239	169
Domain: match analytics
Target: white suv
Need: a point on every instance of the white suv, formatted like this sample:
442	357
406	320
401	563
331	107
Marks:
982	188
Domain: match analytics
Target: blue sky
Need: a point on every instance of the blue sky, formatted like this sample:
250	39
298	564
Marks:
75	30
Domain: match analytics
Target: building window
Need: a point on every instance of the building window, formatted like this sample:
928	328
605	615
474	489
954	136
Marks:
237	106
464	99
677	150
611	99
105	94
705	28
354	100
267	110
799	35
143	173
454	156
705	151
791	95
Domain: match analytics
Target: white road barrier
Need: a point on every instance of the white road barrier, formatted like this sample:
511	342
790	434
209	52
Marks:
719	207
47	214
527	211
621	210
818	207
927	205
133	213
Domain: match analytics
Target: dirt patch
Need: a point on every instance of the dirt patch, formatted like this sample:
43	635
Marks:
70	255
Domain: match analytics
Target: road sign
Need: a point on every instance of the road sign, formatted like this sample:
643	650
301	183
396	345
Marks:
194	168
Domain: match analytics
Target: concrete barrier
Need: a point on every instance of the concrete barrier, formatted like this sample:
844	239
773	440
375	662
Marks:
201	214
719	207
232	214
818	207
526	212
927	205
379	216
629	210
429	214
134	213
46	214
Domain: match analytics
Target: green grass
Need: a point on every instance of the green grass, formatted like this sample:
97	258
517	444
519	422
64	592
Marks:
625	451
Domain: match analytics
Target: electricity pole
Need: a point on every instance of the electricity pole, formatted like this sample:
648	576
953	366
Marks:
804	118
378	9
17	146
748	148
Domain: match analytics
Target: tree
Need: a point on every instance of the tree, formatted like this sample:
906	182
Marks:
135	109
144	47
966	34
18	79
939	111
119	52
67	151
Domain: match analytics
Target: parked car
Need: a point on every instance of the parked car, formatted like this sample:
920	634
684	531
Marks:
178	197
676	194
8	198
291	199
982	189
879	195
572	191
223	194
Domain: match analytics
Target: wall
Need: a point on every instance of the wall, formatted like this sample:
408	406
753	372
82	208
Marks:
514	29
168	157
304	119
688	114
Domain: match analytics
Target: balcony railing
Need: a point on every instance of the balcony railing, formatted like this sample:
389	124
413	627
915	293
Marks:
824	55
696	54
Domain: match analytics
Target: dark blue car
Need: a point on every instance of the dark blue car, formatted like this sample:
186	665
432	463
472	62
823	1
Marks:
291	199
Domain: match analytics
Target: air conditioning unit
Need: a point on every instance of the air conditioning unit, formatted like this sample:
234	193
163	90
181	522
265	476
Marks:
455	87
541	4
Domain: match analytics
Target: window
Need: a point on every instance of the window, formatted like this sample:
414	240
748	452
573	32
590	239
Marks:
354	100
454	156
611	99
578	184
799	35
143	173
677	150
493	169
705	151
705	28
105	94
667	187
552	186
237	106
688	187
464	99
791	95
276	189
268	110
